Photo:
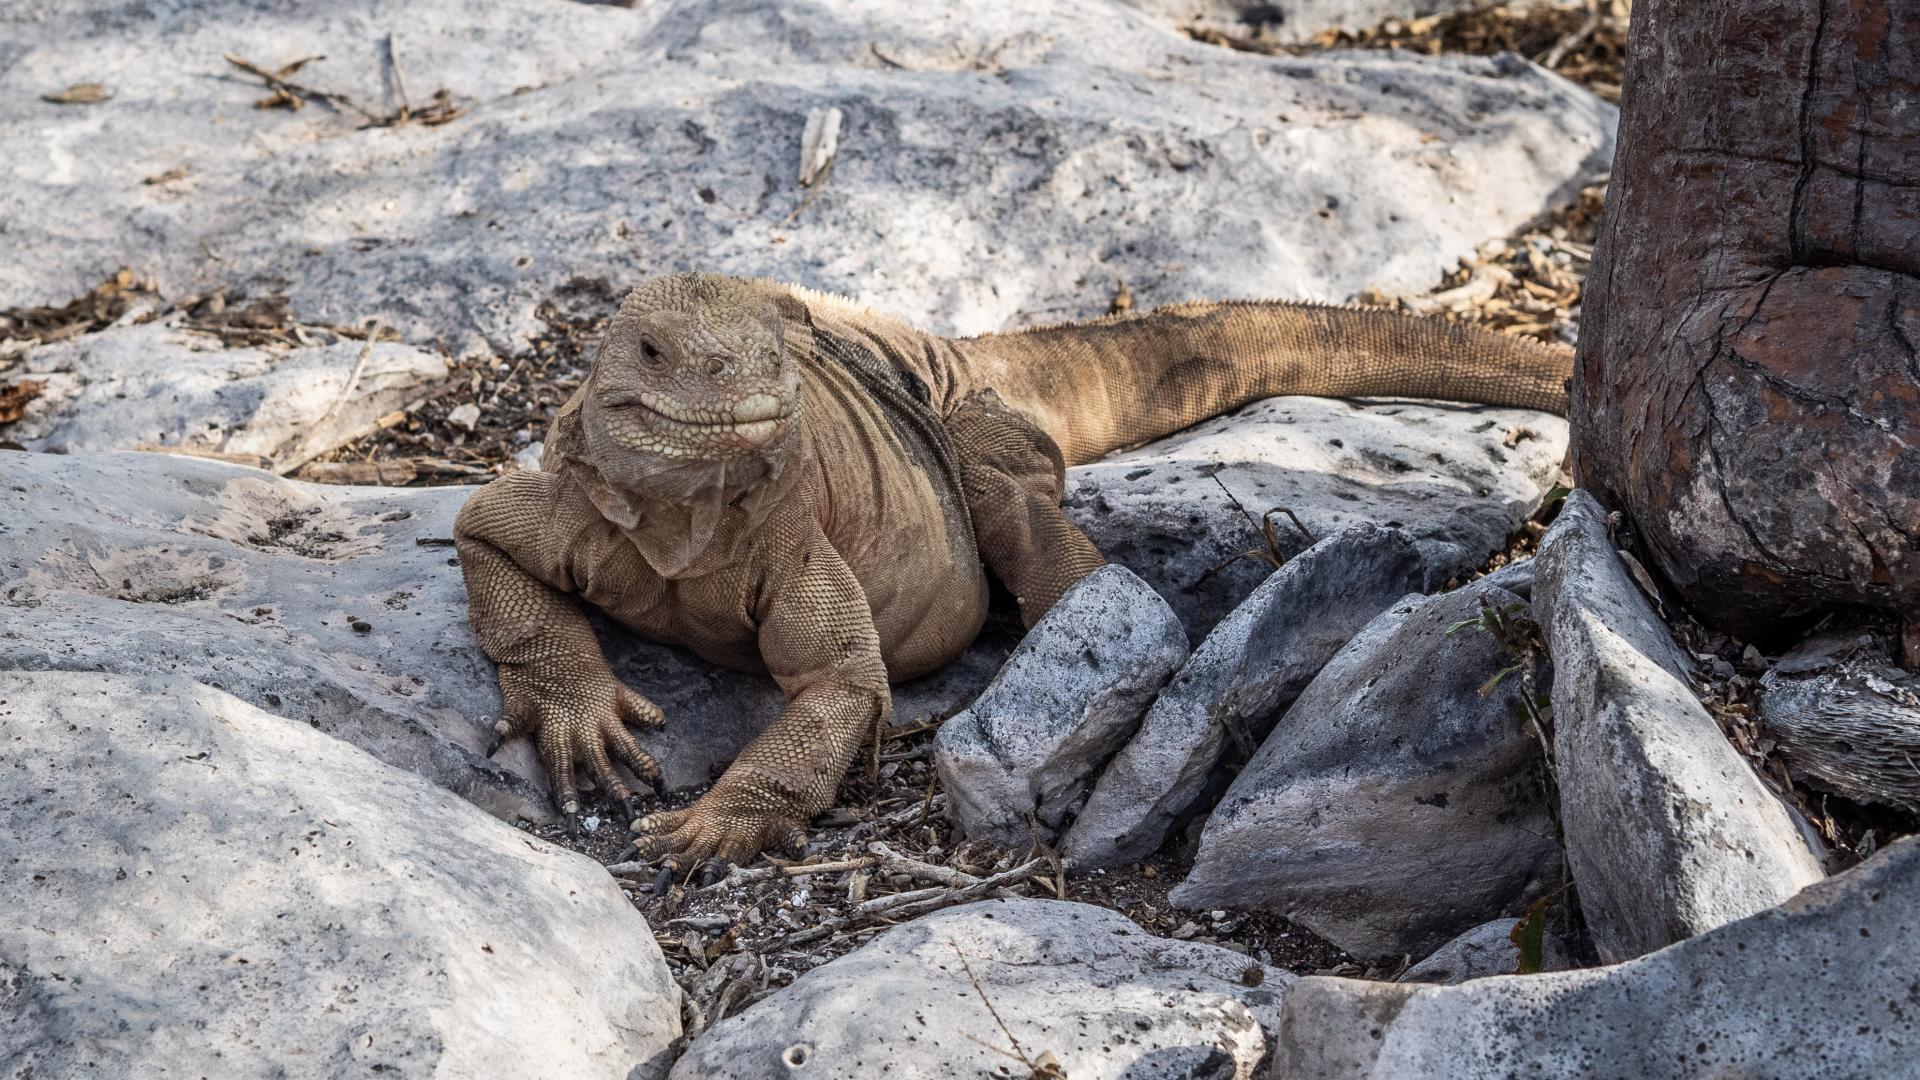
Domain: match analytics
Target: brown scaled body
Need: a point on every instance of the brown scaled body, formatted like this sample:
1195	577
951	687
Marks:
782	482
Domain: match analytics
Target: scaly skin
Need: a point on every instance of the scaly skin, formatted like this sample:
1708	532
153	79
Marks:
784	483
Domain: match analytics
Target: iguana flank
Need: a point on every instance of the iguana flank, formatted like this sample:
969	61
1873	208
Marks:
783	482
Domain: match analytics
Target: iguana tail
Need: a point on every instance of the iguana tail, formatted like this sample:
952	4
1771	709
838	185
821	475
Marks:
1099	386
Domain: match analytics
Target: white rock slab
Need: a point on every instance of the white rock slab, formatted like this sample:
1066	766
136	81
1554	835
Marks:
1822	986
996	162
195	887
1079	982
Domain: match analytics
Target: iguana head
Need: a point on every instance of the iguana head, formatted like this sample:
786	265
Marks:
690	414
694	368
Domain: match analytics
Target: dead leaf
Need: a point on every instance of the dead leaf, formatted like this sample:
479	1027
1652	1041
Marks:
15	396
178	172
86	93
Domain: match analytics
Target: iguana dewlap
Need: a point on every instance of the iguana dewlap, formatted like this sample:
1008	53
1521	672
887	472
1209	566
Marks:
783	482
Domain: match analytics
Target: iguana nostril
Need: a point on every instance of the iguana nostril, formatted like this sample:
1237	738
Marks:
717	367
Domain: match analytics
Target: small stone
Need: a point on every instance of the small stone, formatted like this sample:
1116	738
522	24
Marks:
1024	753
465	416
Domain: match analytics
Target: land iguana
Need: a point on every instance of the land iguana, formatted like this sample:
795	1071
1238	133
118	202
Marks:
783	482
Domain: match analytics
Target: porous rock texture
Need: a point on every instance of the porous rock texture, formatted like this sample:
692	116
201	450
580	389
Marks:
1023	755
257	585
195	887
1822	986
1668	832
1082	983
160	384
1393	806
1186	504
995	162
1248	670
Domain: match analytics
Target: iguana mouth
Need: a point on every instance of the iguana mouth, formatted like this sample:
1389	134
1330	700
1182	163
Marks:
755	418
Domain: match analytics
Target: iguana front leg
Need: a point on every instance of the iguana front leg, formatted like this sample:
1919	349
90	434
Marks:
817	638
519	538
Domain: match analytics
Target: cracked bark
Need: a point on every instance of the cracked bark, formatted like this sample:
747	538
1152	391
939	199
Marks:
1747	389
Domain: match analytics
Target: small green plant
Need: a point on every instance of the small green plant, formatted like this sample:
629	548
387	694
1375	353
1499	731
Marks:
1514	630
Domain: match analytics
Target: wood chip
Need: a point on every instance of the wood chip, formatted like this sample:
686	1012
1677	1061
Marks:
86	93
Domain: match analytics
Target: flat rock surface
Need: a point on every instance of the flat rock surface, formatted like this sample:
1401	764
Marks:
1822	986
1393	806
1023	755
1442	473
195	887
1668	831
159	384
142	563
995	162
1079	982
1249	669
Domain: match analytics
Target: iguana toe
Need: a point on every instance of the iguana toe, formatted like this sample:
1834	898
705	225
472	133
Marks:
713	829
578	721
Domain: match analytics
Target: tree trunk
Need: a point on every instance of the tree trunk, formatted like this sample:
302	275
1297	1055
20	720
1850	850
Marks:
1747	389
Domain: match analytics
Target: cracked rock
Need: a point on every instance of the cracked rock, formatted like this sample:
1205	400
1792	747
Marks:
1184	509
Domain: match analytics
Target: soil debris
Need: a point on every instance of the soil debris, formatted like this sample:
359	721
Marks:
1587	43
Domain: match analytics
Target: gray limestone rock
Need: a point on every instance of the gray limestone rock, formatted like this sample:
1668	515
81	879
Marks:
1820	988
195	887
1668	832
159	384
1184	505
996	161
1249	669
1071	694
1393	806
1079	982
